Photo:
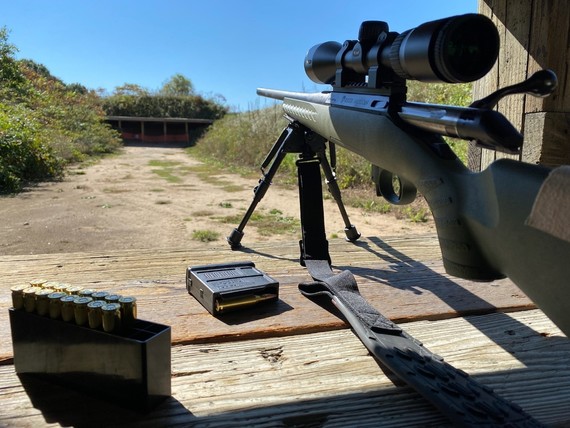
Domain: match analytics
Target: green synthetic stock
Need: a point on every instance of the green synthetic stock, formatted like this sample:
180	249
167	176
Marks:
480	217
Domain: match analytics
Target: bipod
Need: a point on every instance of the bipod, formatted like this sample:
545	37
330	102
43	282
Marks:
311	147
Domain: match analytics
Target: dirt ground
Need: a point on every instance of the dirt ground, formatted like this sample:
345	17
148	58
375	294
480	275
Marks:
155	197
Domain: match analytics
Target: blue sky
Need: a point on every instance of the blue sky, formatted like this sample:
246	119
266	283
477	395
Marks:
224	47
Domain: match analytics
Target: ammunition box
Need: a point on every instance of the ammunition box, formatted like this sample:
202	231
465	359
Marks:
130	367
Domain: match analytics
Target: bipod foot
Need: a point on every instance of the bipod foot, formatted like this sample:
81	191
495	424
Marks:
351	233
235	239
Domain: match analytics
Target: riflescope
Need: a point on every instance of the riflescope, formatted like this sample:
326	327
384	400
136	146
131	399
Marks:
453	50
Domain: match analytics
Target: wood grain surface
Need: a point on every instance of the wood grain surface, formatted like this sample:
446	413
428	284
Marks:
388	273
321	379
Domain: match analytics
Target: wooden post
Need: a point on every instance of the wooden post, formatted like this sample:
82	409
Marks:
534	35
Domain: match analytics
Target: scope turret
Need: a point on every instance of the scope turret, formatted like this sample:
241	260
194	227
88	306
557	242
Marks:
458	49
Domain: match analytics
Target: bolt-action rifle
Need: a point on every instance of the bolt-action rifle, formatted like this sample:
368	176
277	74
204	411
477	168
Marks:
481	218
490	224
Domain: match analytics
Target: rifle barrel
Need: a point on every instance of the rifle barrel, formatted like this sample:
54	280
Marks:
277	94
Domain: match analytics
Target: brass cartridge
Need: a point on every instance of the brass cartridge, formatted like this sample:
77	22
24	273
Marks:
74	290
112	298
62	287
18	295
55	304
30	298
94	313
99	295
67	309
37	282
42	301
86	292
53	285
128	310
224	305
80	309
111	317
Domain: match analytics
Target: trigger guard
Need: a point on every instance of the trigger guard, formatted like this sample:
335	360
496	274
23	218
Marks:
406	195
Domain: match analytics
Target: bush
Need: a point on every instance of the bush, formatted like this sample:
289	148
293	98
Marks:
244	139
44	124
148	105
24	154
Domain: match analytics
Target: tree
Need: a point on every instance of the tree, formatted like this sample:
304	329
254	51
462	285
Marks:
131	89
10	74
177	86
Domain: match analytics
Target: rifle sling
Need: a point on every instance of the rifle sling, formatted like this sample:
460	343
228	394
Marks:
458	396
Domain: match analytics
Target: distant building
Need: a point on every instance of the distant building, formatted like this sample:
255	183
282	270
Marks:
156	130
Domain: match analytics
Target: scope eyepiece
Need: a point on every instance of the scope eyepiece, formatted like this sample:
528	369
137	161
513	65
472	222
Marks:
453	50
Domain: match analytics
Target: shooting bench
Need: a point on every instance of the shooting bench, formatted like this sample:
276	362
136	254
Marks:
292	363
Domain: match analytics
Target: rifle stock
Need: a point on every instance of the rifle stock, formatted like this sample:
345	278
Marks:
480	217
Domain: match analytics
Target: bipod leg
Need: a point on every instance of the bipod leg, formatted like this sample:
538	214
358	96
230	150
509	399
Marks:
287	141
349	229
314	245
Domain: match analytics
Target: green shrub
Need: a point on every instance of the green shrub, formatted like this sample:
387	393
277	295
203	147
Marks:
44	124
24	154
149	105
244	139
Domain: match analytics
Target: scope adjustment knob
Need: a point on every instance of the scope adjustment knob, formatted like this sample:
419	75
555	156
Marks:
370	30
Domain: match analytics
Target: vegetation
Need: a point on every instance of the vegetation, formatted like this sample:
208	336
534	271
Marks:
205	235
150	105
176	98
242	140
267	224
444	93
44	123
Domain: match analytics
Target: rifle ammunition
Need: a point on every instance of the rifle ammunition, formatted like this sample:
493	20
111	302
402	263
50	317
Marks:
53	285
99	295
37	282
111	317
128	310
112	298
64	287
238	303
42	301
74	290
80	309
86	292
67	309
94	313
18	296
55	304
30	298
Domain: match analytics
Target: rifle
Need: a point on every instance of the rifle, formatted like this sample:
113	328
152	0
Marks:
485	221
480	217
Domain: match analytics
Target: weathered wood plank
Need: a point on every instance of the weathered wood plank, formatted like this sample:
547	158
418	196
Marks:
534	35
554	130
388	274
320	378
550	48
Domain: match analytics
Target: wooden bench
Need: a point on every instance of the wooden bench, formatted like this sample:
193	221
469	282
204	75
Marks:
292	363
